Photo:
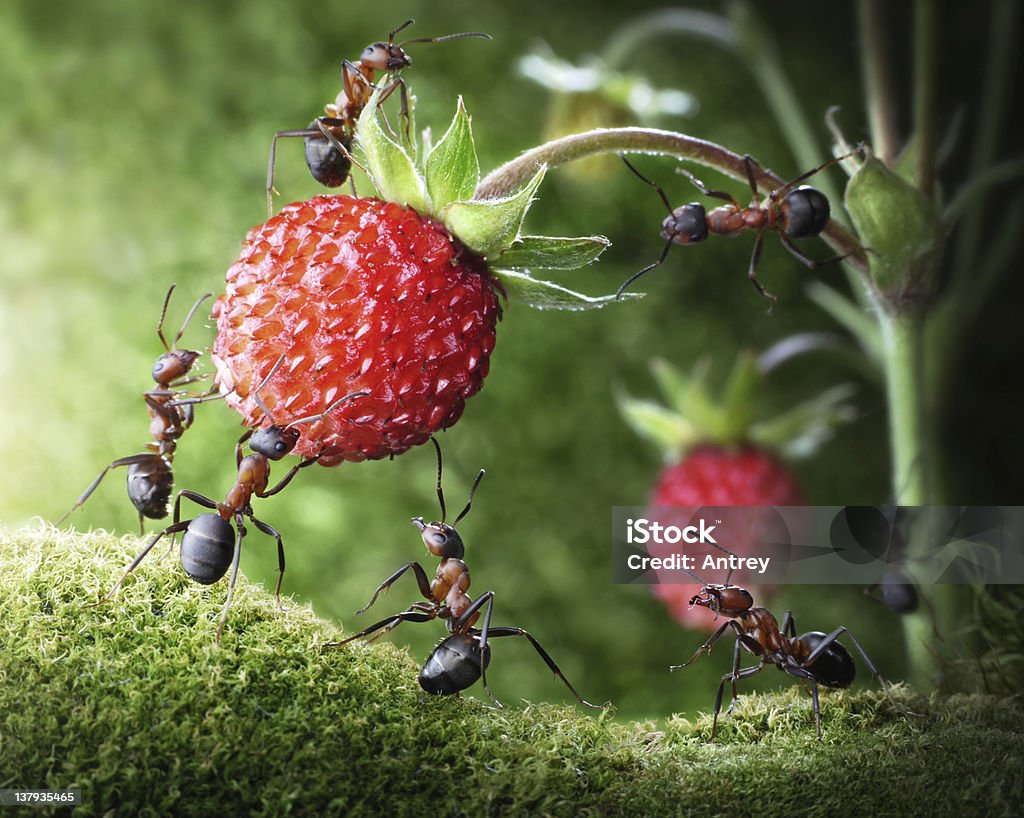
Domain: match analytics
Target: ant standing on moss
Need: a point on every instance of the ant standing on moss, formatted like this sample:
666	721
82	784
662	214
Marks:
817	657
793	211
209	544
462	658
328	139
150	474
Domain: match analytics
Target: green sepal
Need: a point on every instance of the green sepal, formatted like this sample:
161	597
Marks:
671	433
543	295
895	222
488	226
392	169
552	253
452	168
800	431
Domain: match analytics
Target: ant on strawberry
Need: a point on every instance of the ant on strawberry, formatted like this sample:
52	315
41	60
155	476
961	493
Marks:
209	545
817	657
463	657
793	211
150	474
328	139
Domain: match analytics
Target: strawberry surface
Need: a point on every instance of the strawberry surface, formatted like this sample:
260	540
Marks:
358	294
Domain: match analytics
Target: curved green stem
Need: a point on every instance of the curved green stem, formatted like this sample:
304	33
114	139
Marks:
924	96
509	177
878	82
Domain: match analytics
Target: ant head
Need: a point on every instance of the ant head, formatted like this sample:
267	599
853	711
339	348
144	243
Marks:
275	441
686	225
805	212
384	57
728	600
440	539
173	365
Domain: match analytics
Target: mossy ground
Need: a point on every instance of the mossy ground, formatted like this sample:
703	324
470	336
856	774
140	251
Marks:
136	704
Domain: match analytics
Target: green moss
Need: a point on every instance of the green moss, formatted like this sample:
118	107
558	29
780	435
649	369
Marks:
135	703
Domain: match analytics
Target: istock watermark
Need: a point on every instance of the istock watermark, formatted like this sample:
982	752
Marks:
817	544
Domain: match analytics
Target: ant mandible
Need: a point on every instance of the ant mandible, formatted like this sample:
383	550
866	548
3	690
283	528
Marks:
815	656
209	545
150	474
793	211
462	658
328	139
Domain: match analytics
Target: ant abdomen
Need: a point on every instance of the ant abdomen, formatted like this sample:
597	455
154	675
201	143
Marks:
805	212
454	665
329	166
149	487
207	547
834	667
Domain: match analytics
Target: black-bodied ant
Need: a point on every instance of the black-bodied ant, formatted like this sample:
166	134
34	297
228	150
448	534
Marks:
462	658
150	474
793	211
328	139
209	545
817	657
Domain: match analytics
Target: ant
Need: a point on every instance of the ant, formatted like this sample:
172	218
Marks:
814	656
793	211
150	474
328	139
209	545
462	658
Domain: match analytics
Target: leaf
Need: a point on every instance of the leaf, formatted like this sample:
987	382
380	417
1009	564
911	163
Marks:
801	430
551	253
393	170
488	226
452	168
543	295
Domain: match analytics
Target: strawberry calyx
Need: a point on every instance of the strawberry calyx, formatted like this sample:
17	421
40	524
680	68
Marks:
443	186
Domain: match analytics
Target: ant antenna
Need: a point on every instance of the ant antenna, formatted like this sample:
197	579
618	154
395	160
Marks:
406	24
469	503
462	35
328	410
264	382
440	491
185	323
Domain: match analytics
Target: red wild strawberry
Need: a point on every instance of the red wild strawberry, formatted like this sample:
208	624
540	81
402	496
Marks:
358	295
720	457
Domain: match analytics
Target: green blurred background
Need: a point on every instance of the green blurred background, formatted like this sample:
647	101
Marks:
134	139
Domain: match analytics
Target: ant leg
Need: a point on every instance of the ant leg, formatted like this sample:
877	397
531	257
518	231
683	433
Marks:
752	272
805	260
132	460
824	644
779	193
384	626
496	632
324	125
171	529
647	181
421	581
270	531
271	190
306	461
647	269
789	625
734	676
706	647
715	194
196	498
234	575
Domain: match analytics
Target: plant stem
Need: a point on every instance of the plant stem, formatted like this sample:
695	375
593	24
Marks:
924	96
901	337
878	82
508	177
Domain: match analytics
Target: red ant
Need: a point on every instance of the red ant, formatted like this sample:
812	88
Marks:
793	211
462	658
150	474
209	545
328	139
814	656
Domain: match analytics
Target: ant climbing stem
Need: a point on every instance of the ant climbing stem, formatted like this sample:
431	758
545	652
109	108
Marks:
793	211
209	543
462	658
150	473
816	657
328	138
